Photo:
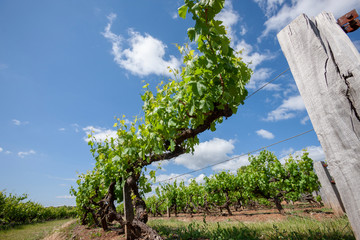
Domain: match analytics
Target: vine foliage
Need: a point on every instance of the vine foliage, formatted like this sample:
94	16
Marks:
265	181
208	87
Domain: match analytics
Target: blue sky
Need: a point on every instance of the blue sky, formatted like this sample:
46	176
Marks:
69	67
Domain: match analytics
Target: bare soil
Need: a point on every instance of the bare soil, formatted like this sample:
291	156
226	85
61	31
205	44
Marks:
85	233
261	215
57	234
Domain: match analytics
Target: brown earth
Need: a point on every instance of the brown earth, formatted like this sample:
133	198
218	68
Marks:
261	215
57	234
85	233
245	216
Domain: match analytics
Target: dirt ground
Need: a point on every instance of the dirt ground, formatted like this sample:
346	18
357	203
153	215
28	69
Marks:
245	216
85	233
57	234
261	215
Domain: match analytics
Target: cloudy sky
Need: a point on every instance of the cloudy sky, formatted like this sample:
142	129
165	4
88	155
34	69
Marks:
69	67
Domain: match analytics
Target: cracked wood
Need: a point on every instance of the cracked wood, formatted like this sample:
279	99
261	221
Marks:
326	68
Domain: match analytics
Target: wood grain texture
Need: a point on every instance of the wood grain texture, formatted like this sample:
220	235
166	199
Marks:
328	192
326	68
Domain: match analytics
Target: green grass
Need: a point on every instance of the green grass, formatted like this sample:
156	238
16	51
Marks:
292	228
32	231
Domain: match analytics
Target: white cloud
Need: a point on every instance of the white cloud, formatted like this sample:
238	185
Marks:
304	120
286	152
66	197
232	165
316	153
199	179
260	77
2	150
294	103
243	30
160	164
287	109
261	74
276	96
273	87
269	6
290	89
24	154
207	153
76	127
100	134
175	15
145	54
282	17
249	56
18	122
229	18
62	129
114	39
165	178
265	134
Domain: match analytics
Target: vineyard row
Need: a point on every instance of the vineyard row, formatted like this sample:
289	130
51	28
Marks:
265	181
15	211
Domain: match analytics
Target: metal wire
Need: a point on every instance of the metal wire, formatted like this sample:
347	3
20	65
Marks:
247	97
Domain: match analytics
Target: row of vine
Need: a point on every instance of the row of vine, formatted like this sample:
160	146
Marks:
265	180
17	210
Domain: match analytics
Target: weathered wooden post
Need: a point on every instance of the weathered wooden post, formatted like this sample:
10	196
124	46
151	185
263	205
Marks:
326	68
329	192
128	211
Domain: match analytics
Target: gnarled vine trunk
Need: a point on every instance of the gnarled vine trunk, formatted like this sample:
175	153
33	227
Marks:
107	213
278	205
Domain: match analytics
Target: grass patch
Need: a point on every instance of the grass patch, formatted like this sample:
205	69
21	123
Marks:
33	231
292	228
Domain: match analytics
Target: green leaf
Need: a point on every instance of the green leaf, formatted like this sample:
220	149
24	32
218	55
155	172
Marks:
172	145
200	88
198	71
212	127
182	11
192	110
191	34
152	174
171	123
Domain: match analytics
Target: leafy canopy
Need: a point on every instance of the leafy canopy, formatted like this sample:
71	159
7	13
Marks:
209	86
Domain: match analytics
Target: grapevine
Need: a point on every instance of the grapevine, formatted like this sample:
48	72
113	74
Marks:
208	88
264	181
